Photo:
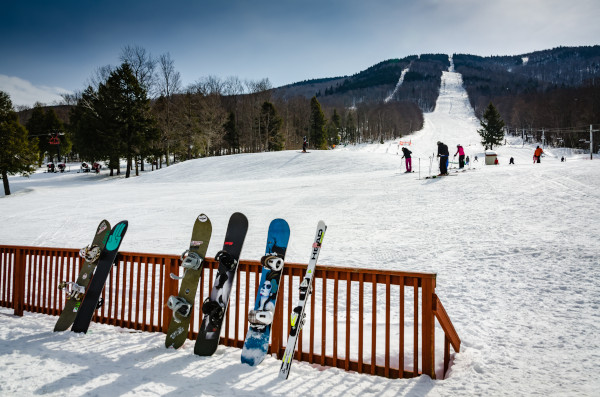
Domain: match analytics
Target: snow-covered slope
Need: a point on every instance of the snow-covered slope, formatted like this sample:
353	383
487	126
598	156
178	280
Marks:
515	249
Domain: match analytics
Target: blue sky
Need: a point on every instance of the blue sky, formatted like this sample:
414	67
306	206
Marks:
51	47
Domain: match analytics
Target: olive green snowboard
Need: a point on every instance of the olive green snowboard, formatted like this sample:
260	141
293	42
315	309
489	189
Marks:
67	316
183	304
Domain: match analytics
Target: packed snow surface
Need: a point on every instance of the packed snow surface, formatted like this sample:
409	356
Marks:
515	249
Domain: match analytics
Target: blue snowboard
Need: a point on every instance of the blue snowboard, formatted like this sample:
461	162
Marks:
256	344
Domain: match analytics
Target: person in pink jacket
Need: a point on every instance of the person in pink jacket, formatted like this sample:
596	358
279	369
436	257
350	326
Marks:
461	156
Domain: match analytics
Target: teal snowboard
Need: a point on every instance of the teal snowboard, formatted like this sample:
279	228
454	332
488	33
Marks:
75	296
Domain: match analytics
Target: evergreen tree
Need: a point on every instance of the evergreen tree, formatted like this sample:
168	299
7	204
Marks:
317	124
17	153
232	135
492	132
271	127
125	110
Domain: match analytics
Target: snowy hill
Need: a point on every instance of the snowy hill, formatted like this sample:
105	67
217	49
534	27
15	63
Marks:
515	249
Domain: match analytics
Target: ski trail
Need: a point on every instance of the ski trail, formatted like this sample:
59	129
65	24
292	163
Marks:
400	81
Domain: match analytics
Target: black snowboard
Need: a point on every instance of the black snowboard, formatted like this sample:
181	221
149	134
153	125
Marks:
215	307
105	263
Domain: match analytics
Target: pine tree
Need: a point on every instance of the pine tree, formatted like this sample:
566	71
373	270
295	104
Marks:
232	135
17	153
492	132
333	129
317	125
271	126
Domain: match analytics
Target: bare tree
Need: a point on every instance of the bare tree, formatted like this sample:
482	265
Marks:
168	84
143	66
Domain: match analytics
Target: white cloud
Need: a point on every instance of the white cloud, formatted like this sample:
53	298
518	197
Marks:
22	92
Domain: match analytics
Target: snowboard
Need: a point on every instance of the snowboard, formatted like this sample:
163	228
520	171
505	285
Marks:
305	289
192	262
256	343
105	263
215	306
69	312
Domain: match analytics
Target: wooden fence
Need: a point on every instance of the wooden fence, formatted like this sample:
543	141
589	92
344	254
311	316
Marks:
358	320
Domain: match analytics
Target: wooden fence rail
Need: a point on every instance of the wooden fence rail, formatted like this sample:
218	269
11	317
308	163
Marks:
359	320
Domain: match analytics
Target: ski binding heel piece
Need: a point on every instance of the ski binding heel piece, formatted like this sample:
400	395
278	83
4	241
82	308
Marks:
90	253
272	262
260	317
179	306
72	289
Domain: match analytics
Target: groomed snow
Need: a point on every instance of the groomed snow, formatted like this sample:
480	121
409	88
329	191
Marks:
515	249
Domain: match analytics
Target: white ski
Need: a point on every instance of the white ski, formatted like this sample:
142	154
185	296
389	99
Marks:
297	317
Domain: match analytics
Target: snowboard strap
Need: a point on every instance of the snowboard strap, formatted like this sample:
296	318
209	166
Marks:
72	289
179	306
272	261
260	317
213	310
226	264
90	253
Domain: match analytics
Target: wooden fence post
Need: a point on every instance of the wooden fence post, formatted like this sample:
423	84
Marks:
427	328
170	285
19	282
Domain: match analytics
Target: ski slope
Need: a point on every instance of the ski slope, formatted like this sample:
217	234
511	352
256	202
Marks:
515	249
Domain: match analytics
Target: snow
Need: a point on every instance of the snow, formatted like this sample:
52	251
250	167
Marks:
515	249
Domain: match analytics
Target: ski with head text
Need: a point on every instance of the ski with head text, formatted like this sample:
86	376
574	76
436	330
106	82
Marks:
192	260
305	289
76	290
105	263
215	306
256	344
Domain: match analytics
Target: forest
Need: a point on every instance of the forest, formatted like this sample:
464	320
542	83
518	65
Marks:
139	110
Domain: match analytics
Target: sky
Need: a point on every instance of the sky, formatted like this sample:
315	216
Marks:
51	48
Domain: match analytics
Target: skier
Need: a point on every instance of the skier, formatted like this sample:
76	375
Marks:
443	154
496	162
406	154
511	161
467	160
562	159
537	154
461	156
304	145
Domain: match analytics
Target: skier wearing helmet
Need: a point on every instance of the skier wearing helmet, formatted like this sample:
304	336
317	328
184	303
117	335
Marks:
461	156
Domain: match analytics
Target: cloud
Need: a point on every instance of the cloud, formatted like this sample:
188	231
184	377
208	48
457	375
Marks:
23	93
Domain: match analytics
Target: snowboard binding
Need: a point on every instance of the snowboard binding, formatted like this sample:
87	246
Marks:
227	263
72	289
189	260
272	262
179	306
90	253
214	311
260	318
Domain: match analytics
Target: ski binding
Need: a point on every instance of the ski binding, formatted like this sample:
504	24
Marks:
90	253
